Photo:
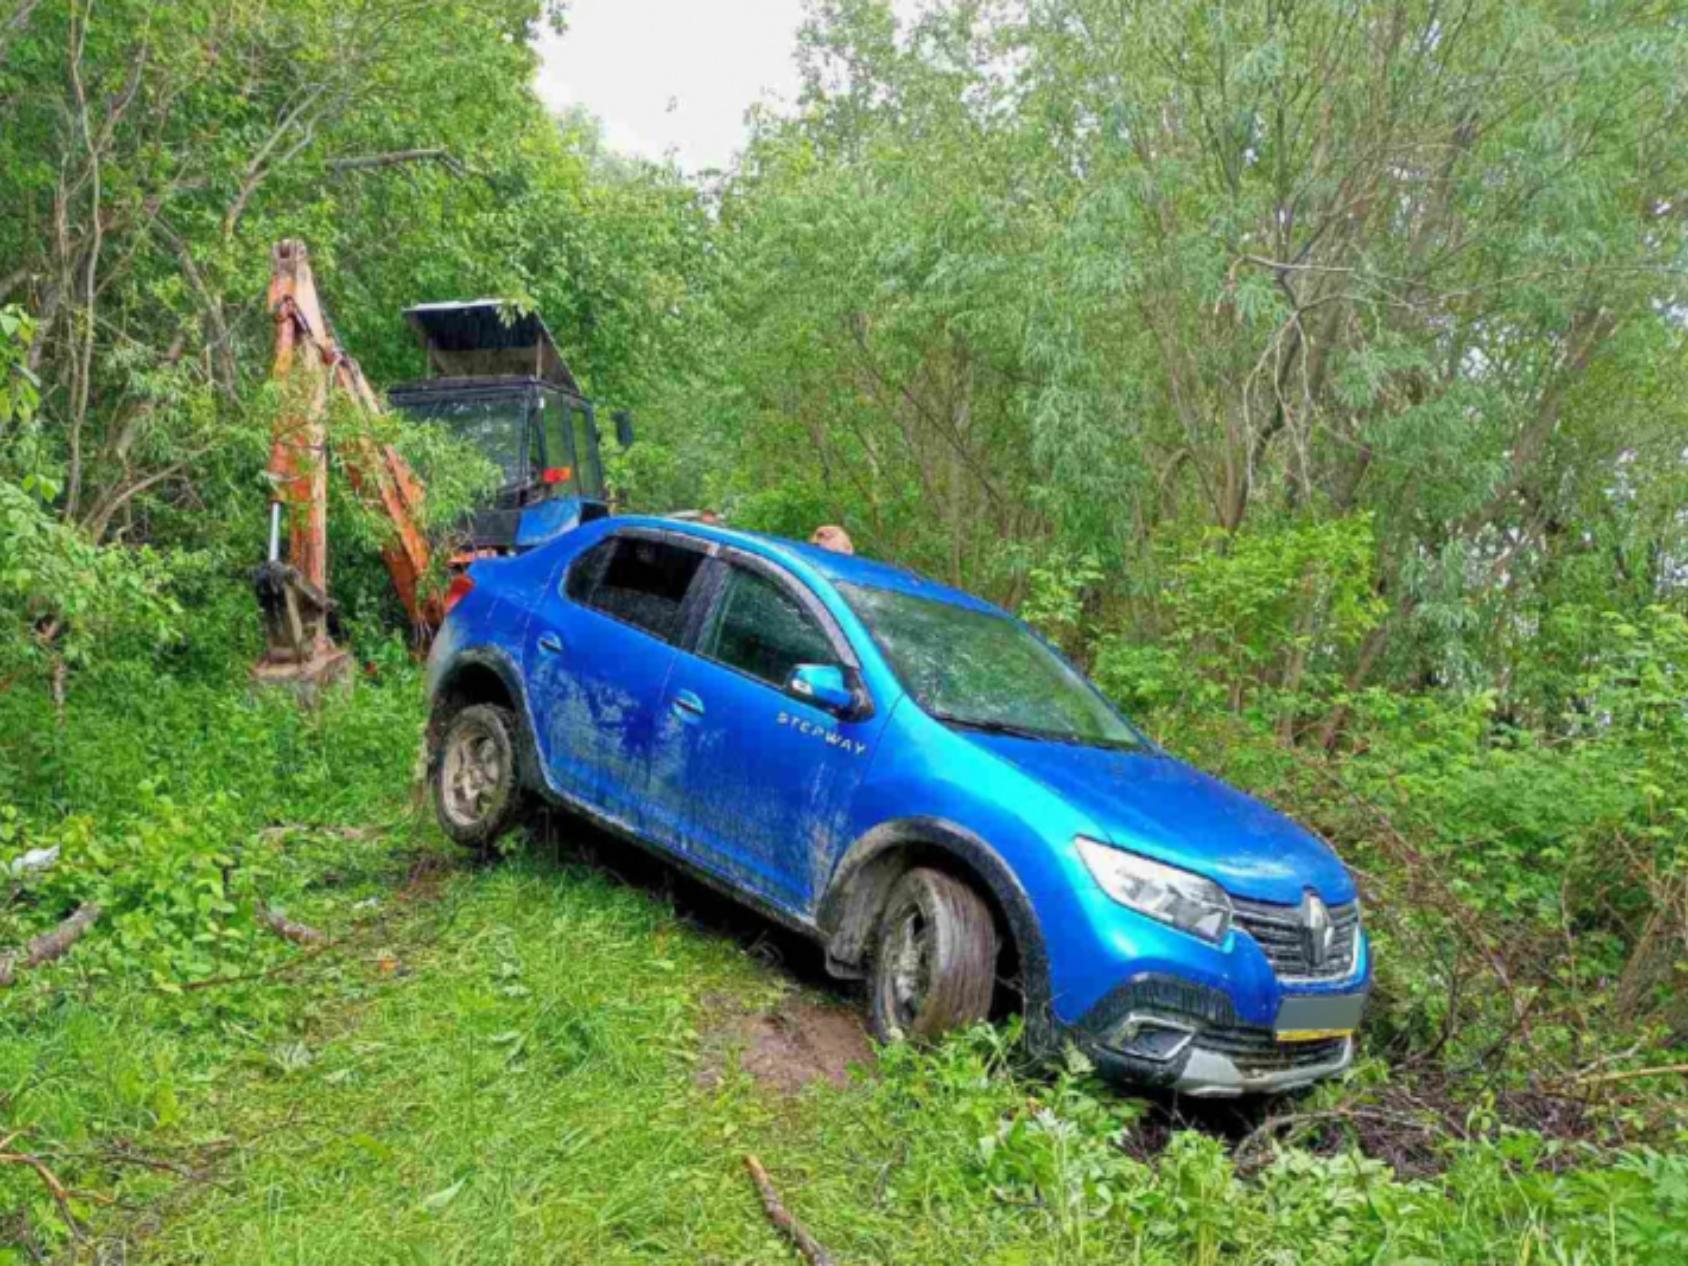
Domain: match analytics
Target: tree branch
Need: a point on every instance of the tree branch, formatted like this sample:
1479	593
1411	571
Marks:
437	154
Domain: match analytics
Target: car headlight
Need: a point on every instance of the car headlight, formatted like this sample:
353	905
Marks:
1188	902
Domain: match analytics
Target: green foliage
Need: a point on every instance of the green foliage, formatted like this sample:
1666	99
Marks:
66	599
1312	372
1055	592
20	392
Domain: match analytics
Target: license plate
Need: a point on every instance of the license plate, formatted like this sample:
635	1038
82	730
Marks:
1314	1017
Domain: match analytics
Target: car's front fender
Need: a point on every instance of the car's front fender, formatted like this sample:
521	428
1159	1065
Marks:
863	878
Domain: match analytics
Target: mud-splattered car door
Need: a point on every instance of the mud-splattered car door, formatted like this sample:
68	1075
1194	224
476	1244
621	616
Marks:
601	645
756	781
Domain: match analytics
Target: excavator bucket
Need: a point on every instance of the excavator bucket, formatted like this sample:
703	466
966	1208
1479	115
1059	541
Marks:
298	650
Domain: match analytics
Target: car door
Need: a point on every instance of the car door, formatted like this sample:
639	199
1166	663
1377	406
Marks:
601	646
750	779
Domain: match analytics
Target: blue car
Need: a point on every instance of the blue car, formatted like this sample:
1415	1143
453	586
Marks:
913	778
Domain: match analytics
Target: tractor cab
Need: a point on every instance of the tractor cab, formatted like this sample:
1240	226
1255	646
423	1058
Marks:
496	379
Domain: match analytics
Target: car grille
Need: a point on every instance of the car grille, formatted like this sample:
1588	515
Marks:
1259	1051
1282	936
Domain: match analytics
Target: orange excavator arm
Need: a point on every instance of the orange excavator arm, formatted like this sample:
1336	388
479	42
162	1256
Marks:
311	366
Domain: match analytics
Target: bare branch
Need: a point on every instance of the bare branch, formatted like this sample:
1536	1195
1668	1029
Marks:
364	162
288	930
260	166
780	1216
49	945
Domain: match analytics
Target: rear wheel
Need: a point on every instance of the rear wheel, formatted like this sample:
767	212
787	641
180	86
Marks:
477	796
934	960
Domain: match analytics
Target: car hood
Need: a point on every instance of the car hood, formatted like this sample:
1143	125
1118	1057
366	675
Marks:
1153	804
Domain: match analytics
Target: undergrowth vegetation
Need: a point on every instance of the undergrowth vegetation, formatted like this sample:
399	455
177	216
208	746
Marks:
1313	374
502	1062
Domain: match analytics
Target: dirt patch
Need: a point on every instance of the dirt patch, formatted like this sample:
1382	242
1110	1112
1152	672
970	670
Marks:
795	1045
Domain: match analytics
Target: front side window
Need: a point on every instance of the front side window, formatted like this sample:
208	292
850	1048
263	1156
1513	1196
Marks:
641	581
979	670
761	629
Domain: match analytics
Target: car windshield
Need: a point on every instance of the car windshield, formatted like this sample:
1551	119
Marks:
983	671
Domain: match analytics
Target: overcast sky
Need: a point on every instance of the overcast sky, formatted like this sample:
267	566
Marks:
673	75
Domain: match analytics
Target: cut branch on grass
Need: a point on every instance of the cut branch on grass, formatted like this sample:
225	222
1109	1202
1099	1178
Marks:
61	1194
49	945
288	930
1291	1126
122	1154
1631	1074
780	1216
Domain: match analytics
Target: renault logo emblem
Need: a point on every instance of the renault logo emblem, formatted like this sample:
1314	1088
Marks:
1317	928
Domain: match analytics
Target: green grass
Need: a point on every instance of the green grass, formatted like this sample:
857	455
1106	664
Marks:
499	1063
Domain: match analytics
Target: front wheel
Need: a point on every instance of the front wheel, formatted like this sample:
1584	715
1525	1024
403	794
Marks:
477	796
934	960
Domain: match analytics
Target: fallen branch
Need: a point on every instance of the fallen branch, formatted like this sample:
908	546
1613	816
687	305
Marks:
61	1194
293	964
270	834
1294	1124
122	1155
288	930
49	945
777	1213
1630	1074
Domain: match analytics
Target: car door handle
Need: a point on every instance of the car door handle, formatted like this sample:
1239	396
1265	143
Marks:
550	643
687	706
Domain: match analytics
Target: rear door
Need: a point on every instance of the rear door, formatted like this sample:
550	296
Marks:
602	644
747	778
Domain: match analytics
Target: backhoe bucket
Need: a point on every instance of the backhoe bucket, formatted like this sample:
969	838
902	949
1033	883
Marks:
298	651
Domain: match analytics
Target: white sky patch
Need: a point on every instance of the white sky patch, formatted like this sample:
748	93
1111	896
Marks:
673	76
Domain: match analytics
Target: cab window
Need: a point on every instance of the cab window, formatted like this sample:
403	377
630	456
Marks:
559	457
760	628
586	465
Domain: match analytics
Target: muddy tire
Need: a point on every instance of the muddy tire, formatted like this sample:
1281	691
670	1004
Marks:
934	959
476	788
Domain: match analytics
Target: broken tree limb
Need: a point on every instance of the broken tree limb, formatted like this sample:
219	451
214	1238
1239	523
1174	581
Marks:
61	1194
781	1217
1630	1074
436	154
287	929
49	945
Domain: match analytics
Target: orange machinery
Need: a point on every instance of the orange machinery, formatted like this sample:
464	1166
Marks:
312	367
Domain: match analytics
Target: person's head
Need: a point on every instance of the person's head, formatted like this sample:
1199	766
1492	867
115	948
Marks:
709	517
831	536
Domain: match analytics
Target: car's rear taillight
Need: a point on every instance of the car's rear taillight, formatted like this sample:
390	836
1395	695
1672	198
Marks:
458	590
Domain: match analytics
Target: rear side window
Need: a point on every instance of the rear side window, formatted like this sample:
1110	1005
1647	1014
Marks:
588	569
642	582
760	628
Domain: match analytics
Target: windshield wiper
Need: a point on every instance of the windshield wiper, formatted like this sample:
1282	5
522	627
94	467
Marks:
996	727
1042	736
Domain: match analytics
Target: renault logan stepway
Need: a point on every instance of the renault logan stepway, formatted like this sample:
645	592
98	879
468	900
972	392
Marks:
910	776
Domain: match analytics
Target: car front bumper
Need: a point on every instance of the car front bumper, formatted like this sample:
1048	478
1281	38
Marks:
1158	1030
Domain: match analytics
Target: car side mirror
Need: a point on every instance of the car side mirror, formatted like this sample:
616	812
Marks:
823	685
